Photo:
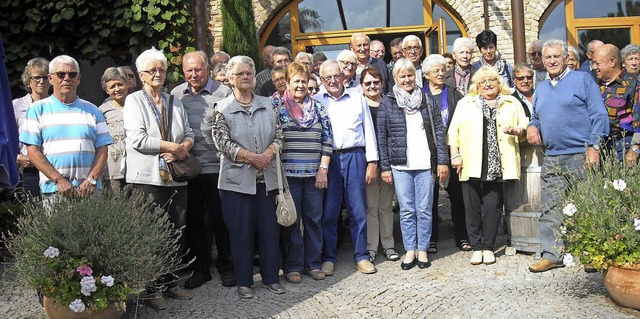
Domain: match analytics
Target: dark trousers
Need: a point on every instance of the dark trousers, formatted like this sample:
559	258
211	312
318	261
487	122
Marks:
346	180
483	203
454	189
249	217
31	181
303	251
204	215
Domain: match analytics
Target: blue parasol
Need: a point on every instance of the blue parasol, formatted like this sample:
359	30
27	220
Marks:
8	130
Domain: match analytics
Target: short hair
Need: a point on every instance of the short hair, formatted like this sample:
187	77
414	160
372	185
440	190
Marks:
401	65
592	42
280	51
534	43
199	53
301	55
410	37
278	69
396	42
326	64
628	50
220	68
556	42
112	74
432	60
374	72
239	60
319	56
448	55
521	66
149	55
123	69
296	68
377	42
486	38
346	54
481	74
212	61
63	59
462	42
39	64
575	52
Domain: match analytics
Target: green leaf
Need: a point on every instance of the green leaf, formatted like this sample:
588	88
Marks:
133	41
167	15
159	26
56	18
67	13
83	11
30	26
137	27
105	33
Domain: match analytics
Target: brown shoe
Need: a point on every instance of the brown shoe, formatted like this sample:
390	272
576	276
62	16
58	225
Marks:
316	274
366	267
545	264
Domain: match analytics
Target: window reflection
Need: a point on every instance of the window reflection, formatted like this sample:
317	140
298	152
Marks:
281	34
555	27
609	8
453	31
618	37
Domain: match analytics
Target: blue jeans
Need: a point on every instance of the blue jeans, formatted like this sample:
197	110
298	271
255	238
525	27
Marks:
303	251
415	195
346	180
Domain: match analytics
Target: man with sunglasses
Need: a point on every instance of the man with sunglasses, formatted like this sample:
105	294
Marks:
534	50
66	137
523	76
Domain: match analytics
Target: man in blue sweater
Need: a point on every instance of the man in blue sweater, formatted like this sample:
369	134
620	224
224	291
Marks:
570	119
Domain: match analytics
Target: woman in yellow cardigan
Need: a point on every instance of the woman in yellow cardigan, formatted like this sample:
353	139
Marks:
483	136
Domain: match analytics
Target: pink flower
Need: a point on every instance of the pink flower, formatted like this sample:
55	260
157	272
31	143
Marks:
84	270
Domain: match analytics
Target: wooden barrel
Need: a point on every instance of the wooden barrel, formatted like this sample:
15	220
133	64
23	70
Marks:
522	203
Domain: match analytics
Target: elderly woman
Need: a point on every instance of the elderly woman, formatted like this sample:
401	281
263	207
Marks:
379	194
154	139
278	76
573	58
219	74
306	59
487	42
444	99
247	132
631	58
115	84
460	77
313	85
411	143
483	136
348	63
36	82
308	146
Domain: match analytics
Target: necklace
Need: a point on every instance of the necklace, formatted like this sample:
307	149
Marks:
244	103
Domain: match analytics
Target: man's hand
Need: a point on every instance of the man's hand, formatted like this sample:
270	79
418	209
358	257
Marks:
593	157
86	189
372	173
321	178
23	161
65	188
533	135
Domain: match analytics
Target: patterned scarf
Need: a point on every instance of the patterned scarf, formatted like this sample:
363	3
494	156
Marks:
461	86
408	102
494	169
306	115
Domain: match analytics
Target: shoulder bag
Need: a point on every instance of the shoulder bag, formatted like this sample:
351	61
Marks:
188	168
285	207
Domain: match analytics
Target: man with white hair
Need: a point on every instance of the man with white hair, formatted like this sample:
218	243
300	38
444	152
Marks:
348	61
306	59
377	50
586	66
413	50
460	76
534	50
360	45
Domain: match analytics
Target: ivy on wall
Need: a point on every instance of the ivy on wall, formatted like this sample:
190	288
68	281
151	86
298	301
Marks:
87	29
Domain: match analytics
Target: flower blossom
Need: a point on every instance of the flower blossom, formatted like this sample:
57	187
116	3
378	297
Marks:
568	260
84	270
636	224
52	252
619	184
107	280
570	209
88	285
77	306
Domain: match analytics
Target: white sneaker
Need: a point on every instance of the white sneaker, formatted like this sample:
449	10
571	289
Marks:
488	257
476	258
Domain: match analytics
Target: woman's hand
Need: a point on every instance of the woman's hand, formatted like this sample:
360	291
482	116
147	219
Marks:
372	173
180	151
387	177
169	157
457	164
260	161
321	178
513	130
443	172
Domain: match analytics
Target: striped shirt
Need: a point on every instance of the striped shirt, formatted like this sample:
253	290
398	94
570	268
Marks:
262	78
68	136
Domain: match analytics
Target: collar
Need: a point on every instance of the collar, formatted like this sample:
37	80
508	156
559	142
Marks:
562	75
617	79
345	92
235	106
207	87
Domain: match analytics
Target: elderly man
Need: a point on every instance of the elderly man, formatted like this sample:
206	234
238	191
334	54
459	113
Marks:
199	95
280	56
620	92
460	77
70	164
377	50
586	66
219	57
264	76
631	59
360	45
395	47
571	120
523	77
534	50
347	61
318	59
354	162
412	48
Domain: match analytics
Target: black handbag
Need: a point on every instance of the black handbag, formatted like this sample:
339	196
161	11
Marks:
186	169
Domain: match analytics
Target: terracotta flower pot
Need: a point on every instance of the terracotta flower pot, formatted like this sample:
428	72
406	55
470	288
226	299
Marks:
623	284
55	311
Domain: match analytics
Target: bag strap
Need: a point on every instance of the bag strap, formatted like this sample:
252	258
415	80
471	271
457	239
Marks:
170	118
431	119
283	184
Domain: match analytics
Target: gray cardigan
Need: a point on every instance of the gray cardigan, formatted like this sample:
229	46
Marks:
143	138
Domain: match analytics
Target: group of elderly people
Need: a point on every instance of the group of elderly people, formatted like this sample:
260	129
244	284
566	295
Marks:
437	125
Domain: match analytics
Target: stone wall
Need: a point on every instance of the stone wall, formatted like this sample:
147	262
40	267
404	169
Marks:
470	11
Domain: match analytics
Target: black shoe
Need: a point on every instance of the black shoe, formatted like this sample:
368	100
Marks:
275	288
424	264
407	266
197	279
228	279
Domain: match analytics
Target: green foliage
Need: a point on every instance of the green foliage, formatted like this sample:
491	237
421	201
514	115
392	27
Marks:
93	29
239	30
10	212
602	230
126	237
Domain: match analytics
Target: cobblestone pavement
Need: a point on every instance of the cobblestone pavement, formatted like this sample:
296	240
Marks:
450	288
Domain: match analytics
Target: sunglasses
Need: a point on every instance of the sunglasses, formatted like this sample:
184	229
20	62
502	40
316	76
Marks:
62	75
521	78
370	83
535	53
313	89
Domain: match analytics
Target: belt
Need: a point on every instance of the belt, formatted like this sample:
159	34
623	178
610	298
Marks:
347	150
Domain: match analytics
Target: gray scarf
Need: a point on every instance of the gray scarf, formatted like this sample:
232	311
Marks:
408	102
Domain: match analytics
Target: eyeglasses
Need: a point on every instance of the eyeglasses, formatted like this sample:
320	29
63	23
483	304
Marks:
436	71
279	80
330	78
412	49
62	75
521	78
347	63
487	81
155	71
535	53
244	74
39	78
131	75
377	51
370	83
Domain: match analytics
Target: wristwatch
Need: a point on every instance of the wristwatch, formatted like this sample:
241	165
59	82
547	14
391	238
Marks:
324	166
92	181
596	147
636	150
